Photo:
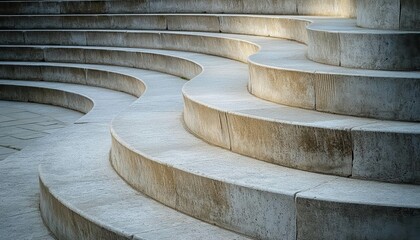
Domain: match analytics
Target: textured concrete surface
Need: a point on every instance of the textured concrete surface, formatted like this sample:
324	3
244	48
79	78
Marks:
388	14
153	144
220	119
128	214
331	41
241	199
286	77
313	7
22	123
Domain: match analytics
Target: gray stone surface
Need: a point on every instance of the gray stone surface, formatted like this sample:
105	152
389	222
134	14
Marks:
175	170
383	14
19	197
286	77
22	123
313	7
389	14
153	150
224	121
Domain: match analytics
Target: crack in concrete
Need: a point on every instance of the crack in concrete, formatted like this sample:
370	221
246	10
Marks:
10	147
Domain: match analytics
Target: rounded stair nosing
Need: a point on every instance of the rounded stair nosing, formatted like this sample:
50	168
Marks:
232	124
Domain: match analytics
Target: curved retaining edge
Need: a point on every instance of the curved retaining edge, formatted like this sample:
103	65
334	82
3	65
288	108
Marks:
356	48
329	148
68	223
330	41
277	205
325	90
60	98
289	27
77	75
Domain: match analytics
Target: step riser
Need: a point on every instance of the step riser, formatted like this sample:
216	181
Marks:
224	47
332	151
309	147
305	7
83	76
243	209
389	14
322	92
301	147
366	51
144	60
371	222
230	206
282	27
387	97
68	224
46	96
375	50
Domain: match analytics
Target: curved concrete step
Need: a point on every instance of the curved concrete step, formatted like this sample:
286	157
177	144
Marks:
389	14
331	41
285	77
81	196
341	43
153	152
305	7
219	109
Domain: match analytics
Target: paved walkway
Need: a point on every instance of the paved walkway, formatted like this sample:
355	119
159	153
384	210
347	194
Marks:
21	124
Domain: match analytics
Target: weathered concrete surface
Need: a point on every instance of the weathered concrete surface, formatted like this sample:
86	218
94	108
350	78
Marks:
291	79
314	7
328	146
342	208
272	76
389	14
383	14
344	8
22	123
64	196
175	171
330	41
290	27
342	44
401	159
19	197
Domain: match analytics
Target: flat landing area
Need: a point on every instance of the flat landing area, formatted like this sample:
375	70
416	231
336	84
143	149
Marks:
21	124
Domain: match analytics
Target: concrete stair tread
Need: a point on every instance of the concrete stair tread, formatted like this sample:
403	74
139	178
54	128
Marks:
270	7
155	154
227	80
304	84
84	182
331	41
221	90
318	23
183	151
290	55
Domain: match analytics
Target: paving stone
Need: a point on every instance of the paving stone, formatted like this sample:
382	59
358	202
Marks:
40	128
25	114
15	130
31	136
